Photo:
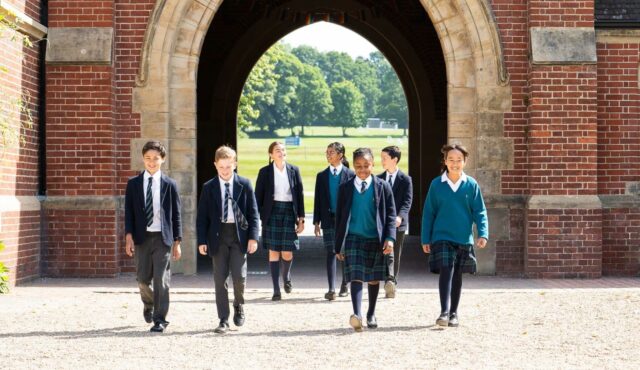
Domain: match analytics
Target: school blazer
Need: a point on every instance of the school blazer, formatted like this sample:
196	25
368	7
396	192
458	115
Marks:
322	197
385	211
402	195
135	221
265	188
209	218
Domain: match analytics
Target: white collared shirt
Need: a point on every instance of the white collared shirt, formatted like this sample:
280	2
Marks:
394	175
230	215
281	187
338	169
456	185
156	225
358	183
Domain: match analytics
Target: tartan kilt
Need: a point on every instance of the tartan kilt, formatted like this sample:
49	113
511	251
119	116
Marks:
449	254
364	260
280	233
329	239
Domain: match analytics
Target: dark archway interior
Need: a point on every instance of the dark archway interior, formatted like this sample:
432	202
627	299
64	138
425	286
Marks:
243	30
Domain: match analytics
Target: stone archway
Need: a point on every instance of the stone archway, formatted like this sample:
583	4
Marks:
477	87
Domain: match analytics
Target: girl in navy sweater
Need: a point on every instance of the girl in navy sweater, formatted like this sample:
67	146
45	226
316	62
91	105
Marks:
454	203
324	210
281	205
365	232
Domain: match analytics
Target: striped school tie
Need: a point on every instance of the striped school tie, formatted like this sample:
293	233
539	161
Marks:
148	203
363	187
240	219
391	180
225	207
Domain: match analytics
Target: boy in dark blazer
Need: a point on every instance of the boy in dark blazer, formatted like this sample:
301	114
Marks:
402	187
153	232
227	227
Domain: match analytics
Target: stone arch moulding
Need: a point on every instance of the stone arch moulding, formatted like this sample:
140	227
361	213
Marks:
165	94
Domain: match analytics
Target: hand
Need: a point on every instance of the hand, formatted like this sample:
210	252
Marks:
388	247
177	251
426	248
398	221
129	245
300	227
252	246
203	249
316	230
481	243
340	256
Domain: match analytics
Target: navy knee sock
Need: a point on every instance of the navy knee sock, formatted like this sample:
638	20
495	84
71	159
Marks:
456	290
356	297
373	298
275	275
444	285
286	269
331	271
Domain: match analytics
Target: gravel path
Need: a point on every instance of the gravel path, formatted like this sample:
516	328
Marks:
504	323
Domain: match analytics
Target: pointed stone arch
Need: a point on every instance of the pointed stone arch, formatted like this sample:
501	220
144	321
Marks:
165	95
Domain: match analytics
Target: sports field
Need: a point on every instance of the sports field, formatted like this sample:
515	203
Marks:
310	157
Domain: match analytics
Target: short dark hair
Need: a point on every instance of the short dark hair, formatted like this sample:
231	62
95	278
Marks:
154	145
393	152
362	152
449	147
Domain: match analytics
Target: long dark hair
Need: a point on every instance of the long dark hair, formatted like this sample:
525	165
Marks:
339	148
271	146
449	147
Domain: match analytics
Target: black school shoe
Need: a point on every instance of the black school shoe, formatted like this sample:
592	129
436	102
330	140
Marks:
453	320
159	327
330	296
148	314
288	287
238	315
222	328
443	319
344	290
276	296
372	323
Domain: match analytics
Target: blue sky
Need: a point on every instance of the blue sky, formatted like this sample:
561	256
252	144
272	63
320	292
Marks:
330	37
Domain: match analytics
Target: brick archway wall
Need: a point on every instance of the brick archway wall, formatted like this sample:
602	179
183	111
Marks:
478	94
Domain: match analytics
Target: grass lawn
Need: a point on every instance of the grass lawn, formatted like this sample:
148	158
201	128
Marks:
310	157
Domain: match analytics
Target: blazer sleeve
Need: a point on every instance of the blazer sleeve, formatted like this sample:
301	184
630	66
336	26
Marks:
202	219
260	189
390	211
405	206
428	216
176	213
252	216
300	194
128	209
316	200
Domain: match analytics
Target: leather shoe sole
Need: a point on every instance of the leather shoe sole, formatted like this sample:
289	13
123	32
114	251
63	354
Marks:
389	289
443	320
356	323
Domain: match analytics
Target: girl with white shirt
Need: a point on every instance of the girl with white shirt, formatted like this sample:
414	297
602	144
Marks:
281	205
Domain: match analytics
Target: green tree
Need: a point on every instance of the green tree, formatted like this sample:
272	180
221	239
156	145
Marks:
308	55
348	104
259	91
365	78
313	97
392	104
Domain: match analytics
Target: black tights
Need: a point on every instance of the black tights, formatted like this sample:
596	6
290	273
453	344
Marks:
450	285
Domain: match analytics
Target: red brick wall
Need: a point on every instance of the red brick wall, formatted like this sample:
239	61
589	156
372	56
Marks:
565	13
20	230
619	152
81	13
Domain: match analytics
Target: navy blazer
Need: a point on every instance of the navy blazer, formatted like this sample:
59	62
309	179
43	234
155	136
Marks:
402	195
322	197
265	187
135	221
385	211
209	219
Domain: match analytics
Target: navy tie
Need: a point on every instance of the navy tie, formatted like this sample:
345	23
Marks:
335	172
148	203
363	187
391	180
225	207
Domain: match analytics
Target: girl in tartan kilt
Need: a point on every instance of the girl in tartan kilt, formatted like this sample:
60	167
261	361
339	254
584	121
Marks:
324	210
365	232
281	205
453	204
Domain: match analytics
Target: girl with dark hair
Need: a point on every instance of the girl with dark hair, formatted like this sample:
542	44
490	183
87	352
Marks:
454	203
324	210
281	205
365	233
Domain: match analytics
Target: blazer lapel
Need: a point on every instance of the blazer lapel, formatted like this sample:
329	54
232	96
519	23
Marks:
237	188
140	186
164	187
377	191
290	176
325	180
344	176
217	195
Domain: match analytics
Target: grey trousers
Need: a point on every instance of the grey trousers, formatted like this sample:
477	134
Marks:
153	262
393	259
229	258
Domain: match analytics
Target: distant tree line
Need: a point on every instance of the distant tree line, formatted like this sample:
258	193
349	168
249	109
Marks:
297	87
